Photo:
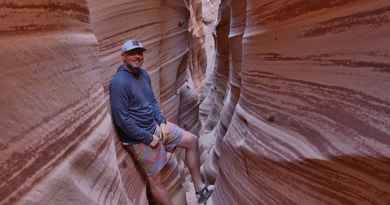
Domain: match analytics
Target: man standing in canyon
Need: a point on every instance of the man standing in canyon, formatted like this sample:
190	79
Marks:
143	129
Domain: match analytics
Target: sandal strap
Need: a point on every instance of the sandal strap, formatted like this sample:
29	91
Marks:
205	189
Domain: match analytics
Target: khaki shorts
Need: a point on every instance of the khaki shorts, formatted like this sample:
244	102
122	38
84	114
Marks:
153	160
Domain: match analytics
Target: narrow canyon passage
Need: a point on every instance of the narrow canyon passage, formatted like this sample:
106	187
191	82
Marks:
290	99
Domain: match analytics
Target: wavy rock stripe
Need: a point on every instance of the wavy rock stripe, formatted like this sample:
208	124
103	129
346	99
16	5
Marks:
312	122
30	15
279	167
57	145
91	175
46	111
58	135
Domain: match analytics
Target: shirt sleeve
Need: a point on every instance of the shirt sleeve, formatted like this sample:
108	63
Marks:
119	100
158	116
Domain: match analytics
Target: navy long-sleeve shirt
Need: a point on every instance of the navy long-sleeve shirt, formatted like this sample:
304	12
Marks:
134	108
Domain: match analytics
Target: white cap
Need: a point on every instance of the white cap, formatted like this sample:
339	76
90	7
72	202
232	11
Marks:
132	44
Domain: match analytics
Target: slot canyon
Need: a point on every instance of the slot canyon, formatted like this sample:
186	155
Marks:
288	97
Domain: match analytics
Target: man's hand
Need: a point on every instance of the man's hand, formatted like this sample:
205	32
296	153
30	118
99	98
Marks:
155	141
163	131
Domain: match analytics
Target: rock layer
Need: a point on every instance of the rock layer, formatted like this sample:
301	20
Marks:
57	57
58	145
312	122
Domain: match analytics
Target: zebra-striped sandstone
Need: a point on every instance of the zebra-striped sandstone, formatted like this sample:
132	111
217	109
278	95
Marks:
298	100
312	120
58	144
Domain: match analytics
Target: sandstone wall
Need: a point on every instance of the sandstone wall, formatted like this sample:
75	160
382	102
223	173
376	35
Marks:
58	145
297	103
312	121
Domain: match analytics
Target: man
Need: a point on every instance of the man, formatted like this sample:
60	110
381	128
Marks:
143	129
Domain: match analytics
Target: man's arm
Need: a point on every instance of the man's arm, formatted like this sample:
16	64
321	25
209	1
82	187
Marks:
158	116
119	107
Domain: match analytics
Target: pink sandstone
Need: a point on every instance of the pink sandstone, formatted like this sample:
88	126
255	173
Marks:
295	109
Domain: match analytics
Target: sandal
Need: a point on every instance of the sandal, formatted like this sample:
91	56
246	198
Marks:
204	194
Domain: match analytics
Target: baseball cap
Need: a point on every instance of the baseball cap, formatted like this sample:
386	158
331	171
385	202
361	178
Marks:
132	44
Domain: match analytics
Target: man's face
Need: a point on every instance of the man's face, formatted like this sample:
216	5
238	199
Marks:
134	57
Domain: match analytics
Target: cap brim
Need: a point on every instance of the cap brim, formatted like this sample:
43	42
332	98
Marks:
137	48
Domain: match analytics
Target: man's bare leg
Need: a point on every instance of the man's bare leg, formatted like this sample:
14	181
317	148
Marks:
158	190
192	158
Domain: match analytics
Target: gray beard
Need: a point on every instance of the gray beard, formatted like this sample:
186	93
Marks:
133	70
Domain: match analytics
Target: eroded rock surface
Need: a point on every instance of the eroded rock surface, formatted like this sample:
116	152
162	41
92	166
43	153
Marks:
311	125
297	102
58	144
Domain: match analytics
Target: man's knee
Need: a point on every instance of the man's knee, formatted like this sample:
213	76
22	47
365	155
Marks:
191	140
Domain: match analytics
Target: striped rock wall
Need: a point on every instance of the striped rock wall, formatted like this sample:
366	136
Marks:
58	145
57	57
312	123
